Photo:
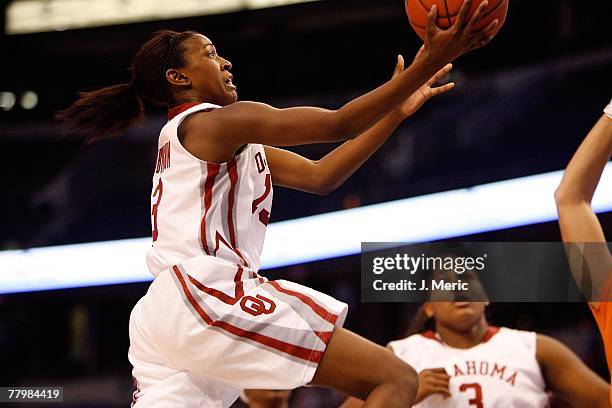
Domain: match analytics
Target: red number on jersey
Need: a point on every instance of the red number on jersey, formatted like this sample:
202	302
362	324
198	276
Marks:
159	190
477	400
264	215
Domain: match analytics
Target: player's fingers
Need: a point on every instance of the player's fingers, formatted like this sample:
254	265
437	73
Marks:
482	37
440	379
399	66
440	390
431	21
481	41
440	370
436	78
476	16
419	52
484	41
488	30
463	12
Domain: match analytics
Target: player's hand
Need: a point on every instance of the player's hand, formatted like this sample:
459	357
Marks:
432	381
444	46
414	102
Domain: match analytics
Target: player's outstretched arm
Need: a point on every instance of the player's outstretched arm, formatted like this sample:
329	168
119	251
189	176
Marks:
566	375
573	196
230	127
323	176
580	228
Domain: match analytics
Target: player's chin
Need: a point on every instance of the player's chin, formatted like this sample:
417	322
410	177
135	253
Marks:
228	97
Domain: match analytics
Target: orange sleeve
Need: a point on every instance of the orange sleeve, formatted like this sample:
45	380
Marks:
602	313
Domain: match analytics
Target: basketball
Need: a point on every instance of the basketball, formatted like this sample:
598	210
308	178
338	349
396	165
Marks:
449	9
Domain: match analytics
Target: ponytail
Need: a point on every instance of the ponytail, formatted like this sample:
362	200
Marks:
109	112
103	114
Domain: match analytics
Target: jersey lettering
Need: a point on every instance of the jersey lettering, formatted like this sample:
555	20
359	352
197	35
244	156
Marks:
484	368
158	192
261	163
476	401
163	158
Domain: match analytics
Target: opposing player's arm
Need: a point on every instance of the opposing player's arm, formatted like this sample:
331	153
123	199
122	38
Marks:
566	375
325	175
577	220
573	196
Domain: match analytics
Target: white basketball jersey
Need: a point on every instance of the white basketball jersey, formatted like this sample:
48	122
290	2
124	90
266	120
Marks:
500	372
201	209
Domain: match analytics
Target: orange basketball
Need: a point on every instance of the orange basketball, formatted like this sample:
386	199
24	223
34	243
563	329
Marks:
449	9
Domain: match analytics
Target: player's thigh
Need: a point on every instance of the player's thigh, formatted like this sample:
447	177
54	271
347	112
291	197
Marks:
355	365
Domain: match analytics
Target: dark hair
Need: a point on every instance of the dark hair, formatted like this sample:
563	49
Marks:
109	112
420	322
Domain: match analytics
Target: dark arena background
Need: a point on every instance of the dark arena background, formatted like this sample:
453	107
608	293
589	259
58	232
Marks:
520	108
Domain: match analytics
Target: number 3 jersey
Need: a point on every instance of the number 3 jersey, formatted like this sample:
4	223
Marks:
201	209
500	372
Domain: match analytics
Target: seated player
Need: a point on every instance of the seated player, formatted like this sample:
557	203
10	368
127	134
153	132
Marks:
465	362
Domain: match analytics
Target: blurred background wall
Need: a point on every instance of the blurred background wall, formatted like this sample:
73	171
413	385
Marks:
521	107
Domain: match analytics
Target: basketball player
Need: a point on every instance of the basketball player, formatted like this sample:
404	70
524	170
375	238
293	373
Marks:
209	324
465	362
579	224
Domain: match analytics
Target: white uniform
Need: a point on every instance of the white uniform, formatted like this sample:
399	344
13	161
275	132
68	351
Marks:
500	372
209	325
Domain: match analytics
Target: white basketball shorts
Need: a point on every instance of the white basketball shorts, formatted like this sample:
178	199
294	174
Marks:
207	329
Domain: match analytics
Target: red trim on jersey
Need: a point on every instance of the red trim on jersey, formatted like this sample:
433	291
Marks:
212	170
268	186
284	347
321	311
233	176
491	331
430	334
173	112
219	238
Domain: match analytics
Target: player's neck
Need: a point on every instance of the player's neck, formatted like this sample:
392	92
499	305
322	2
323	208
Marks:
464	339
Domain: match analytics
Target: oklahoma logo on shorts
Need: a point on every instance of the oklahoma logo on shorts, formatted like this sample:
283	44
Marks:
257	305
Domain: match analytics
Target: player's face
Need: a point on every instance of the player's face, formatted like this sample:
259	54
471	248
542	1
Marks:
460	317
208	72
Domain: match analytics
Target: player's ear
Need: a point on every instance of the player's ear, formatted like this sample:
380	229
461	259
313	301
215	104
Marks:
428	309
175	77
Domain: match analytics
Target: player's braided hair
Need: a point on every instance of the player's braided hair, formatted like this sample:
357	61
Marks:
109	112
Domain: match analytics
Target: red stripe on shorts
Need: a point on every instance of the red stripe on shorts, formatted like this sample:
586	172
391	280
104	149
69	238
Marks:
282	346
190	297
238	290
320	310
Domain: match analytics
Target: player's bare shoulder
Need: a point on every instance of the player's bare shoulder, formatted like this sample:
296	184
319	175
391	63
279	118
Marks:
202	133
